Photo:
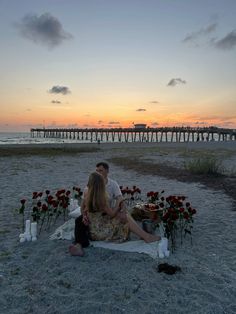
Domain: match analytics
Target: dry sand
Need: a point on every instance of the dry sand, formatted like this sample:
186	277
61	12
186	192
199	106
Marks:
41	277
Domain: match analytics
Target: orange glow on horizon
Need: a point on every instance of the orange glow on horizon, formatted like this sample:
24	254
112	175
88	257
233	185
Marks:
22	124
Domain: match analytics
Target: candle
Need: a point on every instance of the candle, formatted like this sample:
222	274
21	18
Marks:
27	230
34	231
27	226
160	250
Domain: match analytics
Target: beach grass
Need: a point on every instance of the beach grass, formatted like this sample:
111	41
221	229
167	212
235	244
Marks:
205	165
44	150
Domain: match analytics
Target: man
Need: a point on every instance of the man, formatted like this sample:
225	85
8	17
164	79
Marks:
81	227
112	187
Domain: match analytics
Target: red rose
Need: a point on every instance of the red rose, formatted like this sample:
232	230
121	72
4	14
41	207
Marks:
54	203
165	216
44	208
35	194
175	216
23	201
50	198
186	215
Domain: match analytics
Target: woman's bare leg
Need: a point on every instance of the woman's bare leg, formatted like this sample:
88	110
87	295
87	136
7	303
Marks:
135	228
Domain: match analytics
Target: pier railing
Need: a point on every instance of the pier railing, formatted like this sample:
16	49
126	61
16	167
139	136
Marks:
164	134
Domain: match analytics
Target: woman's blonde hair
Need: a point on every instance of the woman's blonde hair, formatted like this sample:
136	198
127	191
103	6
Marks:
97	196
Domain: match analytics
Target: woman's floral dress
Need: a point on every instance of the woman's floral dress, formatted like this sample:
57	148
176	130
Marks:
104	228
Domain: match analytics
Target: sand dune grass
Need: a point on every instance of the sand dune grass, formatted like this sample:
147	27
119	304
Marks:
45	150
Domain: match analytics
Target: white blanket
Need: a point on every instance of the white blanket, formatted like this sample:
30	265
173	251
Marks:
66	232
137	246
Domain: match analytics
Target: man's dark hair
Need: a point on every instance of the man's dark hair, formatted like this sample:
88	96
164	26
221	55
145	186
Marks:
103	164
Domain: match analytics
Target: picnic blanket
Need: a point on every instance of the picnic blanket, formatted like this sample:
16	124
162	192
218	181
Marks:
66	232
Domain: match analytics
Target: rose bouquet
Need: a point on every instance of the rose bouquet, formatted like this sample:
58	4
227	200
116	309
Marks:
46	207
131	195
172	214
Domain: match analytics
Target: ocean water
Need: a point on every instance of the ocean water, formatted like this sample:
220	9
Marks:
25	138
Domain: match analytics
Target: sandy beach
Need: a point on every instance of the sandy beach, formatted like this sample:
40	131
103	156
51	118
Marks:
42	277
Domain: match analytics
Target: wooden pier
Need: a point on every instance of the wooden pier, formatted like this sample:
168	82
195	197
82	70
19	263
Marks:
164	134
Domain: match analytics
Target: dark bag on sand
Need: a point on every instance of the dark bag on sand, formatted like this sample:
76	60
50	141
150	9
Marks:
81	232
168	269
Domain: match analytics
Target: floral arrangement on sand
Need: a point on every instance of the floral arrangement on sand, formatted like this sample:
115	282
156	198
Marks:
46	207
172	213
131	195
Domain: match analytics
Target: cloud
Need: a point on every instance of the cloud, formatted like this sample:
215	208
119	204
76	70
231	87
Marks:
226	43
155	124
44	29
194	37
200	123
72	125
141	109
154	102
173	82
59	90
113	122
55	102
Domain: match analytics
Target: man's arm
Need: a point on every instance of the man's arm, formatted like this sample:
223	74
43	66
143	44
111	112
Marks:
82	205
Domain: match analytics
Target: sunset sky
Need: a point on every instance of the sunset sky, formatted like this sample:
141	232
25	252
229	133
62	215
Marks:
112	63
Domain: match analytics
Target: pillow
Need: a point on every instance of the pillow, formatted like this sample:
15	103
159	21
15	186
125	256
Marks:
75	213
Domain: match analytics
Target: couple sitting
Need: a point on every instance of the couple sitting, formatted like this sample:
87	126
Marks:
104	217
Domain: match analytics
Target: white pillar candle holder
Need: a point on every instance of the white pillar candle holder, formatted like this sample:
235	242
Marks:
160	250
27	226
164	242
27	230
34	231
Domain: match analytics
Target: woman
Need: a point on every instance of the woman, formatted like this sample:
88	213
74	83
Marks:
105	223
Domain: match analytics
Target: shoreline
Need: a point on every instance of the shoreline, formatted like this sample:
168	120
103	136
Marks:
229	145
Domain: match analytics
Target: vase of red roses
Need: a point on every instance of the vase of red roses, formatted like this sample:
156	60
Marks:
172	214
